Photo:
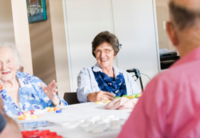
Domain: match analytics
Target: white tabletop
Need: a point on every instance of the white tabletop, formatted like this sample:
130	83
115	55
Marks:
76	112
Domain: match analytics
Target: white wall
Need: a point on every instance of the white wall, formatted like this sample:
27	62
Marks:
22	37
163	4
136	28
6	22
132	21
59	46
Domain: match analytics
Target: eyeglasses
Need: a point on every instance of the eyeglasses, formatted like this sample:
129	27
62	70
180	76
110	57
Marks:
106	51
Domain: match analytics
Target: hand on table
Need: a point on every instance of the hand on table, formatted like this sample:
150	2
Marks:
100	96
121	103
50	90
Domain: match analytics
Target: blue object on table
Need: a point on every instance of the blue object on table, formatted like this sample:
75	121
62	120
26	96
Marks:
59	111
20	113
36	124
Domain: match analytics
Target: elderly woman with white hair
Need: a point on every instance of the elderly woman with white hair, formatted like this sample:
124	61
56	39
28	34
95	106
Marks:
21	91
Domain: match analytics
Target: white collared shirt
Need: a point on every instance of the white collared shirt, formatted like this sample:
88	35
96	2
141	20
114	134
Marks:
88	84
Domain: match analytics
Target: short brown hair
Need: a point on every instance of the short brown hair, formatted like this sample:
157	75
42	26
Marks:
183	17
105	37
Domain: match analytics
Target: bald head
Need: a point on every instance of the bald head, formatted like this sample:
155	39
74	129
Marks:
184	27
193	5
185	13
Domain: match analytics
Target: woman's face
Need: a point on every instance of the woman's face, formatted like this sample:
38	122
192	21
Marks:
104	55
8	64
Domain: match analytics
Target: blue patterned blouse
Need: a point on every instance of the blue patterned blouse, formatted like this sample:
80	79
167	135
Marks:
31	95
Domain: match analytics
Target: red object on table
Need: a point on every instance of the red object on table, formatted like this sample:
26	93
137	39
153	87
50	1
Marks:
40	134
53	134
32	111
34	136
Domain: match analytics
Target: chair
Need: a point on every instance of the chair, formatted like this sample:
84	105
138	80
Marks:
71	98
137	74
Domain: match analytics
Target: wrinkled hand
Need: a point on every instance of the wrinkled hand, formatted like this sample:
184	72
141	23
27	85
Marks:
50	90
127	105
100	96
121	103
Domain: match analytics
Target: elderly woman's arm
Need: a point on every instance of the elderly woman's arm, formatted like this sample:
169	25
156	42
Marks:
84	85
100	96
50	92
46	94
87	91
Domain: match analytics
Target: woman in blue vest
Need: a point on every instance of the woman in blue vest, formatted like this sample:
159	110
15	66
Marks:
104	80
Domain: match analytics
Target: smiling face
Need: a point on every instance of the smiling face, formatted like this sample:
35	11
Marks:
104	54
8	64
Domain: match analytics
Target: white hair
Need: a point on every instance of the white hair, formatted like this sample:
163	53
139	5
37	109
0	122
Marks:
13	48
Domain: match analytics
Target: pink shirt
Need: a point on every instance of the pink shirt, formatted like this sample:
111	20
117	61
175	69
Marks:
170	105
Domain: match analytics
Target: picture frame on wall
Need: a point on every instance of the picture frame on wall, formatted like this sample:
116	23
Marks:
36	10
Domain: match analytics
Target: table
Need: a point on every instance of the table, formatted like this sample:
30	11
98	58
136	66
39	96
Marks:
76	112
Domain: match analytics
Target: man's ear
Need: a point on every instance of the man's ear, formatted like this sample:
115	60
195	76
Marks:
172	34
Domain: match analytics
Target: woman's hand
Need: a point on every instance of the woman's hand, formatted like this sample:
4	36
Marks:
50	90
100	96
121	103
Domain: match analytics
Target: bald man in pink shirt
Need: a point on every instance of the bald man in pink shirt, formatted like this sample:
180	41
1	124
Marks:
170	105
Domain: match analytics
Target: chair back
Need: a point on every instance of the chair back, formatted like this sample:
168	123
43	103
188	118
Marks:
137	74
71	98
